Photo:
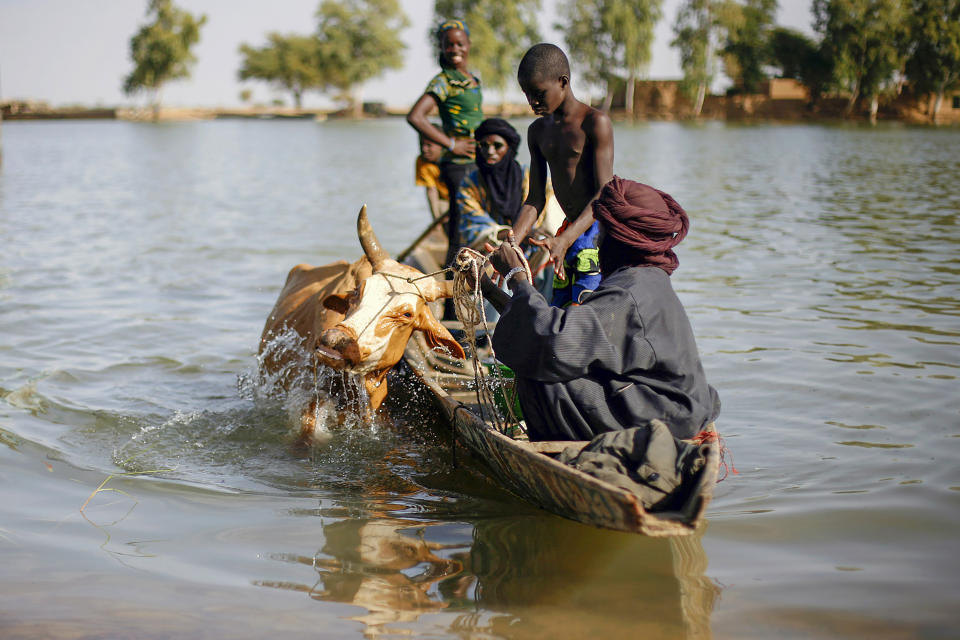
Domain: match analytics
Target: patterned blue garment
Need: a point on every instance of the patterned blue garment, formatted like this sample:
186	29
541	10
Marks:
478	222
582	266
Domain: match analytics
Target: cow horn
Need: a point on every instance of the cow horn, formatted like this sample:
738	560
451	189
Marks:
368	240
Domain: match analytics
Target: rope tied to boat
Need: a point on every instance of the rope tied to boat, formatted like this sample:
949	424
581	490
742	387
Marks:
468	266
710	435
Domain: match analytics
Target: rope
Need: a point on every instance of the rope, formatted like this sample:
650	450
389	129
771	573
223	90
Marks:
468	304
411	280
705	437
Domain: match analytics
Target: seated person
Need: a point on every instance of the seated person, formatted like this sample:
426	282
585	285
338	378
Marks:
428	177
626	354
490	196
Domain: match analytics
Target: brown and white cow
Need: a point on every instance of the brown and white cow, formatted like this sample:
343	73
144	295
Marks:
355	317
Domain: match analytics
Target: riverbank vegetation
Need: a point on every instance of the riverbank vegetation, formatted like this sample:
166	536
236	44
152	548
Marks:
162	49
865	59
867	52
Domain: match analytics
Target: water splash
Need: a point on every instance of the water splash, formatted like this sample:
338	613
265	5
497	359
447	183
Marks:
288	371
283	363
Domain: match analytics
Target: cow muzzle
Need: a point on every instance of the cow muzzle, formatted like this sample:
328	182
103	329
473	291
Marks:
338	349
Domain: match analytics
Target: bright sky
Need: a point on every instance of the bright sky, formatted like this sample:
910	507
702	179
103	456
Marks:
77	52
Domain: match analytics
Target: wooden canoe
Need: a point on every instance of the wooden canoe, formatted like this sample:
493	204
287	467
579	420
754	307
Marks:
531	471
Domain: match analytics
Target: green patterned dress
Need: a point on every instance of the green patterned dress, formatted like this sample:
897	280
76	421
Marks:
459	98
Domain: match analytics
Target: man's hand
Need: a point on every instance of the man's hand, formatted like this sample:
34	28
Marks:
504	258
557	246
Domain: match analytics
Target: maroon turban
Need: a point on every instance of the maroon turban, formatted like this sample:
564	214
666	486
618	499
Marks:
642	224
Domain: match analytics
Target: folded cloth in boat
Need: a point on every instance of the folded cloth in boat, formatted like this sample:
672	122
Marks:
647	461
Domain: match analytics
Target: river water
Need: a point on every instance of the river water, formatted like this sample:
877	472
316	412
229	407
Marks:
150	484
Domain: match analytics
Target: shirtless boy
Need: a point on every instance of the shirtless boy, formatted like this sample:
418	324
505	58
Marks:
576	142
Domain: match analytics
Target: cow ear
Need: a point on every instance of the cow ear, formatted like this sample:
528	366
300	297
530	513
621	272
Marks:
438	336
339	302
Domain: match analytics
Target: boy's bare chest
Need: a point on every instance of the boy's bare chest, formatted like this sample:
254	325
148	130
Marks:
562	145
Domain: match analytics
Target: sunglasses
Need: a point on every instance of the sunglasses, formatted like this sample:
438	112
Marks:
497	146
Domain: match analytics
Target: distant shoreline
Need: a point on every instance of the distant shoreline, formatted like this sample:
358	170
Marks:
792	114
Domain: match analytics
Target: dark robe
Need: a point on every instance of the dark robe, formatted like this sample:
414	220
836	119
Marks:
625	356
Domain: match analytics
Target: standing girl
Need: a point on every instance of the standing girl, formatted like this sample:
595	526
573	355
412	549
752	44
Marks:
456	93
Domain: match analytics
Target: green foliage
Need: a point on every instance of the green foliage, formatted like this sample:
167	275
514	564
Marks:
501	31
630	24
789	50
746	50
695	34
290	62
800	58
161	50
358	40
582	28
867	41
610	38
934	63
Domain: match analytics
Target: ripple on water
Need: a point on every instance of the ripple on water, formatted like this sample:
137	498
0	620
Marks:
140	262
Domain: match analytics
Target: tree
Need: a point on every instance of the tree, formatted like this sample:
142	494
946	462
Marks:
289	62
358	40
696	34
866	40
789	50
611	38
581	33
746	50
500	33
800	58
161	49
630	24
934	64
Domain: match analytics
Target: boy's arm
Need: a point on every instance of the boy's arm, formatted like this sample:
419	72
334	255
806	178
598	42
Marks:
537	193
599	132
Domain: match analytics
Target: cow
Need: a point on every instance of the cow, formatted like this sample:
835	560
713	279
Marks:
355	318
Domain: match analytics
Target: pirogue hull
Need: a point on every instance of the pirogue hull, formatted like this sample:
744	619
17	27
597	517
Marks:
531	471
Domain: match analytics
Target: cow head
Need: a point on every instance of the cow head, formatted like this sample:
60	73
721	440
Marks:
380	314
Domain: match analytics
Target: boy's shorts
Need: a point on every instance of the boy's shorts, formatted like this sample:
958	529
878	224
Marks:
582	266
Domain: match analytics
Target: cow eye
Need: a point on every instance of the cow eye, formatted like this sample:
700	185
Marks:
407	315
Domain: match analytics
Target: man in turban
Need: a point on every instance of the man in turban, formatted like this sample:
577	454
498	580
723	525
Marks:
626	355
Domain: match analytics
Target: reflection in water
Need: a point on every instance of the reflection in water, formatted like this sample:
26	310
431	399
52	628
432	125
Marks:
384	565
523	576
563	579
377	564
